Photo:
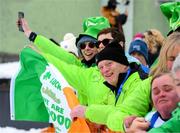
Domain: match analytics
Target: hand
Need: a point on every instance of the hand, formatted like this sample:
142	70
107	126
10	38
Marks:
138	125
23	22
78	111
128	121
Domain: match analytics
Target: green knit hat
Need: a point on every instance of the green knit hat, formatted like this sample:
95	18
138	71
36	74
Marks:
172	11
92	26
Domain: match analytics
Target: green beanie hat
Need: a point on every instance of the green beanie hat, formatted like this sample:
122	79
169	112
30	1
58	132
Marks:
92	26
172	11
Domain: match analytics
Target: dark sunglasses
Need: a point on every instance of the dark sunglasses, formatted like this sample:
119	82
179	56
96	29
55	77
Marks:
90	44
104	42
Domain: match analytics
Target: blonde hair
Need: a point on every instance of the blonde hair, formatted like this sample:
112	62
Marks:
170	43
161	74
153	38
176	64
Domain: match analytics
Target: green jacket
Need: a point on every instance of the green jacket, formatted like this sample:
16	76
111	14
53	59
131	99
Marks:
88	82
172	125
47	46
134	99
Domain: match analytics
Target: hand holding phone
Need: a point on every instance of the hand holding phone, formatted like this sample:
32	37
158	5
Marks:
20	16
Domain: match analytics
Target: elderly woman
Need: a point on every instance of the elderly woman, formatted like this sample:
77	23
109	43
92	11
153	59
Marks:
172	125
165	100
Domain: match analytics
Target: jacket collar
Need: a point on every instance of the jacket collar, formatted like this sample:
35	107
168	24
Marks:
120	80
89	63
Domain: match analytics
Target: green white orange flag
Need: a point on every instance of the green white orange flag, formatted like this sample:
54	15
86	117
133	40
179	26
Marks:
36	92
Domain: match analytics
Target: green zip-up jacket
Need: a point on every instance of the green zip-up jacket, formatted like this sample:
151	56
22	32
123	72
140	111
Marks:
172	125
88	82
134	98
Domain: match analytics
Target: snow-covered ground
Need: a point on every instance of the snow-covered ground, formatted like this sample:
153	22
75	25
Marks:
15	130
7	70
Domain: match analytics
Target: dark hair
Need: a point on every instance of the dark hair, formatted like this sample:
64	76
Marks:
115	33
113	51
112	4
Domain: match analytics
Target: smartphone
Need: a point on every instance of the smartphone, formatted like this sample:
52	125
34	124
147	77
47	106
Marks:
20	16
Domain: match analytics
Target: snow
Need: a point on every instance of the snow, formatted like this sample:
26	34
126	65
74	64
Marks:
7	70
15	130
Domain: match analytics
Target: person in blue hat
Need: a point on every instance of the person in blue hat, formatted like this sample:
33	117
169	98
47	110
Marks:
138	49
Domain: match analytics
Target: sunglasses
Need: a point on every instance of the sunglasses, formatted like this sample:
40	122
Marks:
105	42
90	45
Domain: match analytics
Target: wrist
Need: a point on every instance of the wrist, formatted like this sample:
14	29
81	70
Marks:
27	33
32	36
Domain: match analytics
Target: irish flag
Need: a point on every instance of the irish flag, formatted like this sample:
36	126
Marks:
36	92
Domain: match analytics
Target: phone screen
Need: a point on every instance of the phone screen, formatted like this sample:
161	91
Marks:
20	16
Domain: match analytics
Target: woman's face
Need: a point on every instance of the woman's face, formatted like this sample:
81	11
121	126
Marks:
164	95
89	50
171	56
